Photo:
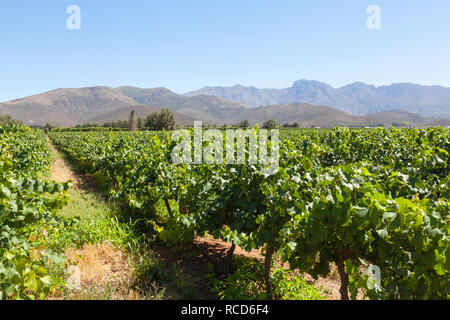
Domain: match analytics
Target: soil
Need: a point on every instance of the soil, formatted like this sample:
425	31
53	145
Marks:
60	169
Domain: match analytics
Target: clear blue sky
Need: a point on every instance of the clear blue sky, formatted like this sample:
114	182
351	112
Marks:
184	45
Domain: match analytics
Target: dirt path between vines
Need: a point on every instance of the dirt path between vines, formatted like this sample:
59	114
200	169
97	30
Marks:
99	265
60	170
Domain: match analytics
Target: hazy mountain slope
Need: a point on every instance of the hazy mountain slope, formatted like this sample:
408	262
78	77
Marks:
304	114
158	97
142	111
65	106
356	98
68	107
40	115
211	109
322	116
250	96
200	107
388	118
426	100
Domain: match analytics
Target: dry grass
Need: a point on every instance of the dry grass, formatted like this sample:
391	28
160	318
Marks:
105	272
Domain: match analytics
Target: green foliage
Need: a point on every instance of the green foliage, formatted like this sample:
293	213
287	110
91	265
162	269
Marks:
243	124
352	197
270	124
153	279
246	283
6	120
27	208
110	127
163	120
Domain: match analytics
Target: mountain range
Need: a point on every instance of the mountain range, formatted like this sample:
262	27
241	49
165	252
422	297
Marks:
68	107
309	103
357	98
307	115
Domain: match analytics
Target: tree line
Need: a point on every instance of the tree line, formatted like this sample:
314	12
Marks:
156	121
7	120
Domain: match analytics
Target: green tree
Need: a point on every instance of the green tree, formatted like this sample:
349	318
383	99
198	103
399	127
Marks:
140	122
167	120
164	120
244	124
270	124
47	128
7	120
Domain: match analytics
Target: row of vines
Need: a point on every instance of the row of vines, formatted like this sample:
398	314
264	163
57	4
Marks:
350	197
28	204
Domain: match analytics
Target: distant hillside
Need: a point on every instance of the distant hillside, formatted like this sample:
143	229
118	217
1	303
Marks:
307	115
65	107
388	118
357	98
68	107
200	107
141	111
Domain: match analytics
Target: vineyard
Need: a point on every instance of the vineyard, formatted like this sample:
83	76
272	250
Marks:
352	198
28	207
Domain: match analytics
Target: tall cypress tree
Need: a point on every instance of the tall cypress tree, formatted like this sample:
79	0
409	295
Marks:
132	122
